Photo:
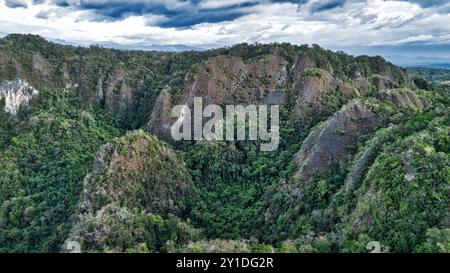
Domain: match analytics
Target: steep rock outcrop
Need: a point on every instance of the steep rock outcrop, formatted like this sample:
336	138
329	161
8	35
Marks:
118	95
400	99
276	98
328	153
334	141
15	94
365	158
403	98
225	79
135	174
314	86
137	170
40	65
160	120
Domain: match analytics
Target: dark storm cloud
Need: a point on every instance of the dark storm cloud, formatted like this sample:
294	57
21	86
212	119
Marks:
178	13
290	1
340	23
429	3
61	3
195	17
327	5
316	6
437	6
188	13
16	4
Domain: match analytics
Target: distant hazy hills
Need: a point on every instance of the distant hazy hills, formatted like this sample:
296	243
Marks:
431	56
165	48
406	55
409	55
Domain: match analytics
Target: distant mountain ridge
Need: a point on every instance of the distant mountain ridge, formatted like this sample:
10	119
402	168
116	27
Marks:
162	48
407	55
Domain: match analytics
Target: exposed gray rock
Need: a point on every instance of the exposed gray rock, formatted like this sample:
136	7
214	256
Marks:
276	98
403	98
312	89
118	94
382	82
40	65
160	120
125	171
224	80
135	172
100	93
335	140
15	94
363	86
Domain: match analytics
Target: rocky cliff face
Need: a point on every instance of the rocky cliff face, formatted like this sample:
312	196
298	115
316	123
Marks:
315	85
136	172
335	140
160	119
307	87
127	84
15	94
331	149
403	98
230	80
225	80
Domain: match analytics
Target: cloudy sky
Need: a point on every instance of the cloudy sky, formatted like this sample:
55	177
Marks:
335	24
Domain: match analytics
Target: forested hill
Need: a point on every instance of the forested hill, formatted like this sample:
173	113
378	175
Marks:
127	83
87	157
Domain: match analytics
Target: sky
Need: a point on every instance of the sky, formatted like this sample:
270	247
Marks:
395	28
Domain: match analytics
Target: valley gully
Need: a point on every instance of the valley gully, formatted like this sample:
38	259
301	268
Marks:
251	116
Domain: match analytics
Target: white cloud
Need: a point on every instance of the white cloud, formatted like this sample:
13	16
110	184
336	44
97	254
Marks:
372	22
413	39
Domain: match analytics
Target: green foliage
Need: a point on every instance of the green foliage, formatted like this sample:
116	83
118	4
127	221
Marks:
133	230
314	72
437	241
429	78
44	161
239	192
404	193
232	177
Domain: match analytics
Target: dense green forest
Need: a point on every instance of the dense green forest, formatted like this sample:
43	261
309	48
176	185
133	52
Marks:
45	154
73	168
432	76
